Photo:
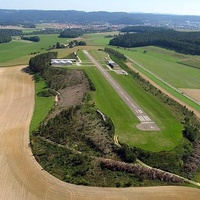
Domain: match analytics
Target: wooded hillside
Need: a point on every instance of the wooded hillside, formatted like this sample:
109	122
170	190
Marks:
182	42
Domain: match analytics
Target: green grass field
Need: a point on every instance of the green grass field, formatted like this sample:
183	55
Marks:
125	121
18	52
166	66
98	39
190	63
42	105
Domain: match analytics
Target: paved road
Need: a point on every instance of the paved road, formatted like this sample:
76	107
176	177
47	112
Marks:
146	122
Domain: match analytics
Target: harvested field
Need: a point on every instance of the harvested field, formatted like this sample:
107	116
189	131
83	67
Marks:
21	176
194	93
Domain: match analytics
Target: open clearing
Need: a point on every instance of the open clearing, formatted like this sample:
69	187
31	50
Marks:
21	176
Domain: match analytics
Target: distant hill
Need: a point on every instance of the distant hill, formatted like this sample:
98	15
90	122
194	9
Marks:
74	17
29	17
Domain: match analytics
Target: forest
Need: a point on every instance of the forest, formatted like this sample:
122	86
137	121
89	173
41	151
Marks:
31	38
40	63
71	33
6	34
182	42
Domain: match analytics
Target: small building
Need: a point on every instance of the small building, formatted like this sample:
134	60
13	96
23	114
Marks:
62	62
112	64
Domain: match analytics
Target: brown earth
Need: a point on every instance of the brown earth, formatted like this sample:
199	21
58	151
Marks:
130	65
22	178
194	93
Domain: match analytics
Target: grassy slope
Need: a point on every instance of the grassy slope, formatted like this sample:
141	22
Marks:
108	101
42	105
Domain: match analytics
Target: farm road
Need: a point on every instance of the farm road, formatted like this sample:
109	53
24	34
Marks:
146	122
22	178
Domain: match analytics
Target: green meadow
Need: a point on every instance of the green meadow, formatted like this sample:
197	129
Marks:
98	39
42	105
166	66
19	51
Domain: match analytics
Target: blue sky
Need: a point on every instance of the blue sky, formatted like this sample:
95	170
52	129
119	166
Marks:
183	7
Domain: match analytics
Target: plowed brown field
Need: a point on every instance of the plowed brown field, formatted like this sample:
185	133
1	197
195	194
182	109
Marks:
21	178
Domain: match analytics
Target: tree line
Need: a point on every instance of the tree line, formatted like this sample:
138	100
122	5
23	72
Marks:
182	42
71	33
31	38
39	63
6	35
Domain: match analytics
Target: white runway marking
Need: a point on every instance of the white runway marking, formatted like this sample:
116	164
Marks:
132	105
141	118
147	118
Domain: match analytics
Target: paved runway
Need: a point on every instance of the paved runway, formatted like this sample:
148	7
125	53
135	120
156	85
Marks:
146	122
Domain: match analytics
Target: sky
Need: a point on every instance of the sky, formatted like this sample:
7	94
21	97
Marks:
182	7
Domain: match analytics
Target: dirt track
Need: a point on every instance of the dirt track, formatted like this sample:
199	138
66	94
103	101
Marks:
21	178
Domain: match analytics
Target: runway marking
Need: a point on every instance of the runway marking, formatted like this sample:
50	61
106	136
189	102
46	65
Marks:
147	118
140	111
133	105
127	99
122	93
141	118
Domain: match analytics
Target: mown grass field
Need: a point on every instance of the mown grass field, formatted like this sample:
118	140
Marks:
125	121
171	129
97	39
166	66
42	105
190	63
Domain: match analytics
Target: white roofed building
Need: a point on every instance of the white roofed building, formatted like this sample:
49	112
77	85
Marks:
62	62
